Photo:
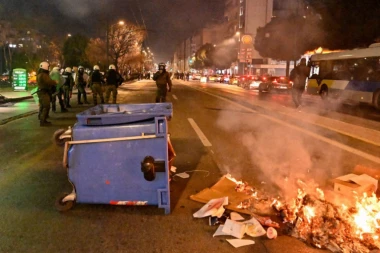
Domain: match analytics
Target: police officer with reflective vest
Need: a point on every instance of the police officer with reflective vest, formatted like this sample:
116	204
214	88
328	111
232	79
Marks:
163	83
45	86
57	90
96	82
113	80
81	82
68	85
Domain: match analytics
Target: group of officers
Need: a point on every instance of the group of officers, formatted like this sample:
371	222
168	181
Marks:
58	85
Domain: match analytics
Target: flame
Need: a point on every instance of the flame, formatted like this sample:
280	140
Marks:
309	213
367	217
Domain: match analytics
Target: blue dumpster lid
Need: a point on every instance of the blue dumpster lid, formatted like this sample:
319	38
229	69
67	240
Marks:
112	114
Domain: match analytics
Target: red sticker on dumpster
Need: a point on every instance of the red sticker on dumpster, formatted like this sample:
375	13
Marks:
129	203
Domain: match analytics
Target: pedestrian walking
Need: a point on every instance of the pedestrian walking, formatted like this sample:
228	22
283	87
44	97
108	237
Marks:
96	82
45	85
68	85
298	76
163	83
57	91
81	79
113	80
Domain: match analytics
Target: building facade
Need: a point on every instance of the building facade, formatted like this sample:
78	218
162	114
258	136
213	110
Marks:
241	20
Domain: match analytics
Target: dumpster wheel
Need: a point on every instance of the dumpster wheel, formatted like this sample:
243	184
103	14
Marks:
64	206
58	141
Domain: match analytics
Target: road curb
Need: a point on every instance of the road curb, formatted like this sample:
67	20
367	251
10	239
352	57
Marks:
5	121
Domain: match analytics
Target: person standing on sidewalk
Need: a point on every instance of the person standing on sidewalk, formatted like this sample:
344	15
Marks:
113	80
81	79
67	86
57	90
45	85
298	76
163	83
96	82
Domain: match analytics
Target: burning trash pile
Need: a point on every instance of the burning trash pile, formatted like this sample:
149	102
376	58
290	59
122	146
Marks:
312	219
338	227
309	217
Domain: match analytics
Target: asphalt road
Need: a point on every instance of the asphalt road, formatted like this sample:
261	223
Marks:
258	138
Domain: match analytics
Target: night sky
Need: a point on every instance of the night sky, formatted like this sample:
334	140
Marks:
167	21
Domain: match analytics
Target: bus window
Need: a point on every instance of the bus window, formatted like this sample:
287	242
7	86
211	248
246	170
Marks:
373	74
314	72
325	69
341	70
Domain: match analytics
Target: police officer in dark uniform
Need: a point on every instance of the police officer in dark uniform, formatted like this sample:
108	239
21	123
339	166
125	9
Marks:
96	83
68	85
81	82
163	83
45	86
113	80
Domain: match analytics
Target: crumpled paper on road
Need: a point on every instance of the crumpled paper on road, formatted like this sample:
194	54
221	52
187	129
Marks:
213	208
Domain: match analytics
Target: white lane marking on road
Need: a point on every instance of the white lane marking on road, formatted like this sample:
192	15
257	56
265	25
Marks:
199	132
307	132
175	97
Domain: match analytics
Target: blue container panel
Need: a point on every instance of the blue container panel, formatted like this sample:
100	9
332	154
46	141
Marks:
157	126
110	114
107	172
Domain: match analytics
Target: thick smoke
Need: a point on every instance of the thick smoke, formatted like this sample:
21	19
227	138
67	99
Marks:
79	9
286	158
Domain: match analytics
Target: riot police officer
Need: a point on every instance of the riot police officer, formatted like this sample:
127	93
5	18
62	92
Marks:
163	83
96	82
45	86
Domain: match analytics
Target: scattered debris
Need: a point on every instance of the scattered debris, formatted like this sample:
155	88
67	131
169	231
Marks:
272	233
240	242
236	216
213	208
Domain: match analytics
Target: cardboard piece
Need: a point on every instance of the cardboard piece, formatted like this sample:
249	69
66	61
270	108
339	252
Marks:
351	184
224	187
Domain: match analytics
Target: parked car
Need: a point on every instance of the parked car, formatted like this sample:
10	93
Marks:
234	80
197	76
224	79
214	78
245	80
280	83
260	83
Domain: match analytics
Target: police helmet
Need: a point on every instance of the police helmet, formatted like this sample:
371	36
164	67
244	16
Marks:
81	67
96	67
44	65
112	66
56	68
68	70
161	66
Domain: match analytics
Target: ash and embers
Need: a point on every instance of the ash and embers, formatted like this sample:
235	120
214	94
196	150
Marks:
310	218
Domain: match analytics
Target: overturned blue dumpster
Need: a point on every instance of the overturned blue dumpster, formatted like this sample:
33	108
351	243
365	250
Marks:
119	155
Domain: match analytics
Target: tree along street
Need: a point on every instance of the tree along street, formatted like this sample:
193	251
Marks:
257	138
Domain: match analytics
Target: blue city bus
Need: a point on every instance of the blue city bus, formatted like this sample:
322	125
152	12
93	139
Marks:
350	76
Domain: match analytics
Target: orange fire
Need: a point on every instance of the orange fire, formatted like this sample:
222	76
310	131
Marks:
311	209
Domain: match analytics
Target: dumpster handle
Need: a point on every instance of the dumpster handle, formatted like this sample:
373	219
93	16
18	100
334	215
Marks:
113	139
65	163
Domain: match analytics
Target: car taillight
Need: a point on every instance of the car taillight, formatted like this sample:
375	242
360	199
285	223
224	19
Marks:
275	81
